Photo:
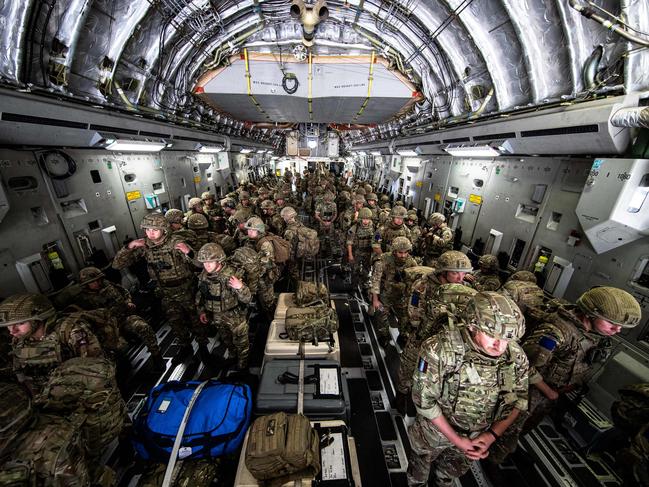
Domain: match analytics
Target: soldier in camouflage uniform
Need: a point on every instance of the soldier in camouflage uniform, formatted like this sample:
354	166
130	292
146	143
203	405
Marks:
394	228
359	247
258	240
195	206
350	216
244	205
437	240
42	340
213	212
412	222
280	201
236	225
565	352
294	265
427	303
176	218
486	278
170	265
470	385
219	300
274	222
372	204
521	287
99	293
326	214
198	224
388	289
229	207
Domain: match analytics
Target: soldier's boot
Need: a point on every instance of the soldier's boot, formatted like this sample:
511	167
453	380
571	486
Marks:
184	352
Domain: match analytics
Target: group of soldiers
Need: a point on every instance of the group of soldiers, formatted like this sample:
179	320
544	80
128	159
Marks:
469	344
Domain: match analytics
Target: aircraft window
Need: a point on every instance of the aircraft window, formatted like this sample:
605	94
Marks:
22	183
158	188
96	177
639	195
553	222
478	183
640	278
129	178
409	178
209	176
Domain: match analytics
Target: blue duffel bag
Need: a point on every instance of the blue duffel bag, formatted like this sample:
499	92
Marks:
216	426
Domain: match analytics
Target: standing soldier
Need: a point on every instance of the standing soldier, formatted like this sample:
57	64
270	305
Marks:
359	247
388	289
326	214
263	194
264	247
99	293
274	223
42	340
486	279
280	201
244	204
291	235
372	204
437	240
469	387
169	262
221	300
175	218
394	228
412	222
350	216
229	207
214	212
195	206
521	287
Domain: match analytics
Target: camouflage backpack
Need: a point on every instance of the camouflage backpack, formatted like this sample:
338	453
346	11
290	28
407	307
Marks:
631	411
187	473
415	273
309	293
48	453
16	413
281	247
308	243
102	323
282	447
247	260
311	324
227	243
88	386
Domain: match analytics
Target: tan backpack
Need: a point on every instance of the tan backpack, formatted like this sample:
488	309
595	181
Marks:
309	293
282	447
281	247
308	243
311	324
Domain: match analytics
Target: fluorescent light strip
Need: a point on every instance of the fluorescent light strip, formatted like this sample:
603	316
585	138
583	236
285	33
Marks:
361	153
210	149
407	152
375	153
135	146
473	151
245	151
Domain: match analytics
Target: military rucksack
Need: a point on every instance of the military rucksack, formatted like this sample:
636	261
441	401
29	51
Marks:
311	324
282	446
49	453
308	243
87	385
631	411
415	273
102	323
247	260
281	247
227	243
16	413
309	293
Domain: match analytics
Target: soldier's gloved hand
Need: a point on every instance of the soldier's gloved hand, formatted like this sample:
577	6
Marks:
133	244
203	318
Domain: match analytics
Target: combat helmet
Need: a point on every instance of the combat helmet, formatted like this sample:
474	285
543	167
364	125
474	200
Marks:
361	192
228	203
25	307
16	412
268	205
244	196
436	219
211	252
401	244
239	216
385	198
278	196
398	212
365	213
255	223
488	261
368	188
287	213
496	315
399	203
371	196
526	276
329	196
88	275
206	195
611	304
359	199
197	221
453	261
174	215
412	215
156	221
195	202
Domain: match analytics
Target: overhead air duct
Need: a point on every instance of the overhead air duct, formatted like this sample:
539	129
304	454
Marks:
631	117
309	17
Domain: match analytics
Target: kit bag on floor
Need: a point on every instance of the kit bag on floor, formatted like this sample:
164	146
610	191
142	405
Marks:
311	324
216	425
282	446
309	293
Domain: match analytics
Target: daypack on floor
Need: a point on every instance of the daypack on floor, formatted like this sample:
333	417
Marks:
281	247
311	324
87	385
216	426
189	473
308	243
282	445
309	293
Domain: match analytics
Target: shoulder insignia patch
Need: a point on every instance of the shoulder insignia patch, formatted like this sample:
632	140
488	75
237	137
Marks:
422	366
548	343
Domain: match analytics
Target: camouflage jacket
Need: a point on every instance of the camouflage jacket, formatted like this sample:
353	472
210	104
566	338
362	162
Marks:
562	352
326	210
470	389
215	294
203	237
387	233
360	238
389	279
290	235
65	338
266	253
436	242
375	215
166	264
112	296
415	237
349	218
246	210
186	235
525	294
486	282
275	224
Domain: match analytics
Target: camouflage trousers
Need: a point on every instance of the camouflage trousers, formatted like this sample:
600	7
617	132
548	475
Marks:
329	241
360	268
430	445
233	327
393	315
407	364
294	269
266	295
135	326
178	306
